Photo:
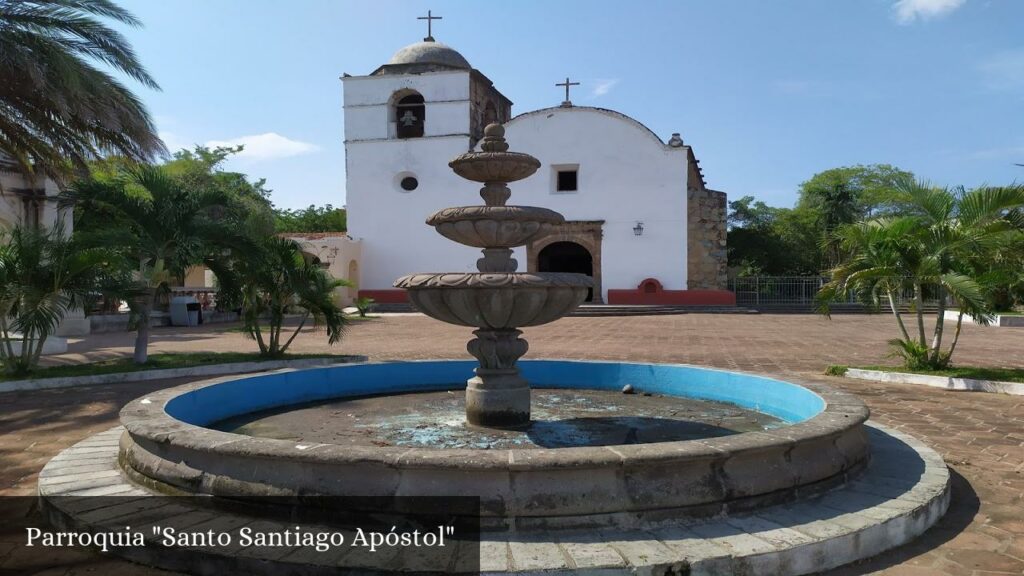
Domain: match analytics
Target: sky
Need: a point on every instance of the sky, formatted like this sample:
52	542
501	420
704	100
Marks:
767	93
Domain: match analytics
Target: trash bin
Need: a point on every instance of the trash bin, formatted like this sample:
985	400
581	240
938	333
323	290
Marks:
184	311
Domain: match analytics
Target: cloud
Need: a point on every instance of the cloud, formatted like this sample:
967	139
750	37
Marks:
909	11
602	87
1004	71
267	146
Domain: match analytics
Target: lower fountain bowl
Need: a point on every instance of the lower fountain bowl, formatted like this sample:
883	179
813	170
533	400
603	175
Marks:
171	444
497	301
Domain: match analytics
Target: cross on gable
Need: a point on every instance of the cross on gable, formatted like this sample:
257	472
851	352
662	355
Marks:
567	84
429	18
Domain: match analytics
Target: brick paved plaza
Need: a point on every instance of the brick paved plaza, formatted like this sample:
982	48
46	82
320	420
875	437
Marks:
981	436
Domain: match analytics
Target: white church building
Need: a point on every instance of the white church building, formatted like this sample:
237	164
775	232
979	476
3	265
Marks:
639	218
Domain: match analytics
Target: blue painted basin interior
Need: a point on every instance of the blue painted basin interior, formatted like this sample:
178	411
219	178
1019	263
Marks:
786	401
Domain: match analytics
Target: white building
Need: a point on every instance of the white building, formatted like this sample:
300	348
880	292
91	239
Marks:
337	253
639	218
32	203
28	203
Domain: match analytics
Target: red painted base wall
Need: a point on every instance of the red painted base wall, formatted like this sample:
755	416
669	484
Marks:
386	296
650	292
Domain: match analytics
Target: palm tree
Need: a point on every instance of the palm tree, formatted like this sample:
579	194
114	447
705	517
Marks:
161	227
837	207
43	274
945	241
57	109
278	278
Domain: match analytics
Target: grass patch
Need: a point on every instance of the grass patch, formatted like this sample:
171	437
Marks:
156	362
974	373
836	370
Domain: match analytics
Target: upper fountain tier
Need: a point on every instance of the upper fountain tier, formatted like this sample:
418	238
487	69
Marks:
495	164
495	225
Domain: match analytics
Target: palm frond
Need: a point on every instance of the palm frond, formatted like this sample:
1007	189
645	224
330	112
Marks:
55	106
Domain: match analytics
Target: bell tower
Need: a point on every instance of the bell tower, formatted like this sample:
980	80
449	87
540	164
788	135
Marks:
403	123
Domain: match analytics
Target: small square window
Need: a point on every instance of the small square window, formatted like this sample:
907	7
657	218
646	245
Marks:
566	181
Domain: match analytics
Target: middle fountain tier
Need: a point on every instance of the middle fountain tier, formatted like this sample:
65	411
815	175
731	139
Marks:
497	300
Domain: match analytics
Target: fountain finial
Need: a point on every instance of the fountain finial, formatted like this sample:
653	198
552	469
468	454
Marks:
494	139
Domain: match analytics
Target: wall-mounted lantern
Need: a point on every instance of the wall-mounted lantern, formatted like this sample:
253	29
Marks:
638	230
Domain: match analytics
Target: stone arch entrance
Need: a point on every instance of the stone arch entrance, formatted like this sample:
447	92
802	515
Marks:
566	257
576	238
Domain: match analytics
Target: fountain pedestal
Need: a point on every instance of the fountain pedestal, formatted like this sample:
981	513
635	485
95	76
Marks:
497	300
497	396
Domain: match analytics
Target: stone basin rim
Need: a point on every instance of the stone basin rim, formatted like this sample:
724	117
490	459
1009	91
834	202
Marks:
146	419
493	280
515	214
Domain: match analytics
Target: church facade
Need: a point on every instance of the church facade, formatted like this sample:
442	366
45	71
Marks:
639	217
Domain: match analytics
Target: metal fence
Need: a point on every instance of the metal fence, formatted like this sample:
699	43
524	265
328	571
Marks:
769	291
797	292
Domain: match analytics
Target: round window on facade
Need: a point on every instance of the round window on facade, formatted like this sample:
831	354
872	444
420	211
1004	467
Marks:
409	183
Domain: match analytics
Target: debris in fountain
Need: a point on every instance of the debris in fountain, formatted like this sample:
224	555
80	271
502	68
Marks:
562	419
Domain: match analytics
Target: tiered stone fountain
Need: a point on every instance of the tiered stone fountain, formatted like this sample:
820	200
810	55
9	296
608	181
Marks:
497	300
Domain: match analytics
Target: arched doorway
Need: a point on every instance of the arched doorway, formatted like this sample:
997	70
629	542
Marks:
567	257
353	277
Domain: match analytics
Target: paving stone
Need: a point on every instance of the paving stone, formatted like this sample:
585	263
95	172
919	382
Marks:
587	555
493	556
109	490
76	485
705	557
536	555
69	469
83	477
640	548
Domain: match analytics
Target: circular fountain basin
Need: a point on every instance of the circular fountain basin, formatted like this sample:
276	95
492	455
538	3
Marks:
814	439
496	300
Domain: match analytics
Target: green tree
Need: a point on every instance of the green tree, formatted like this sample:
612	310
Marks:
247	210
312	219
849	193
159	225
942	240
278	278
58	110
841	196
43	274
772	241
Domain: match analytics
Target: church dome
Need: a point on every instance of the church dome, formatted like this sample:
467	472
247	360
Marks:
429	52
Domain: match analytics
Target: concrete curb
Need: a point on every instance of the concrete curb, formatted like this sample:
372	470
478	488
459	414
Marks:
147	375
947	382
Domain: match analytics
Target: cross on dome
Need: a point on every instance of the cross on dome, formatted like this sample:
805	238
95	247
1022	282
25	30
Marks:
429	18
